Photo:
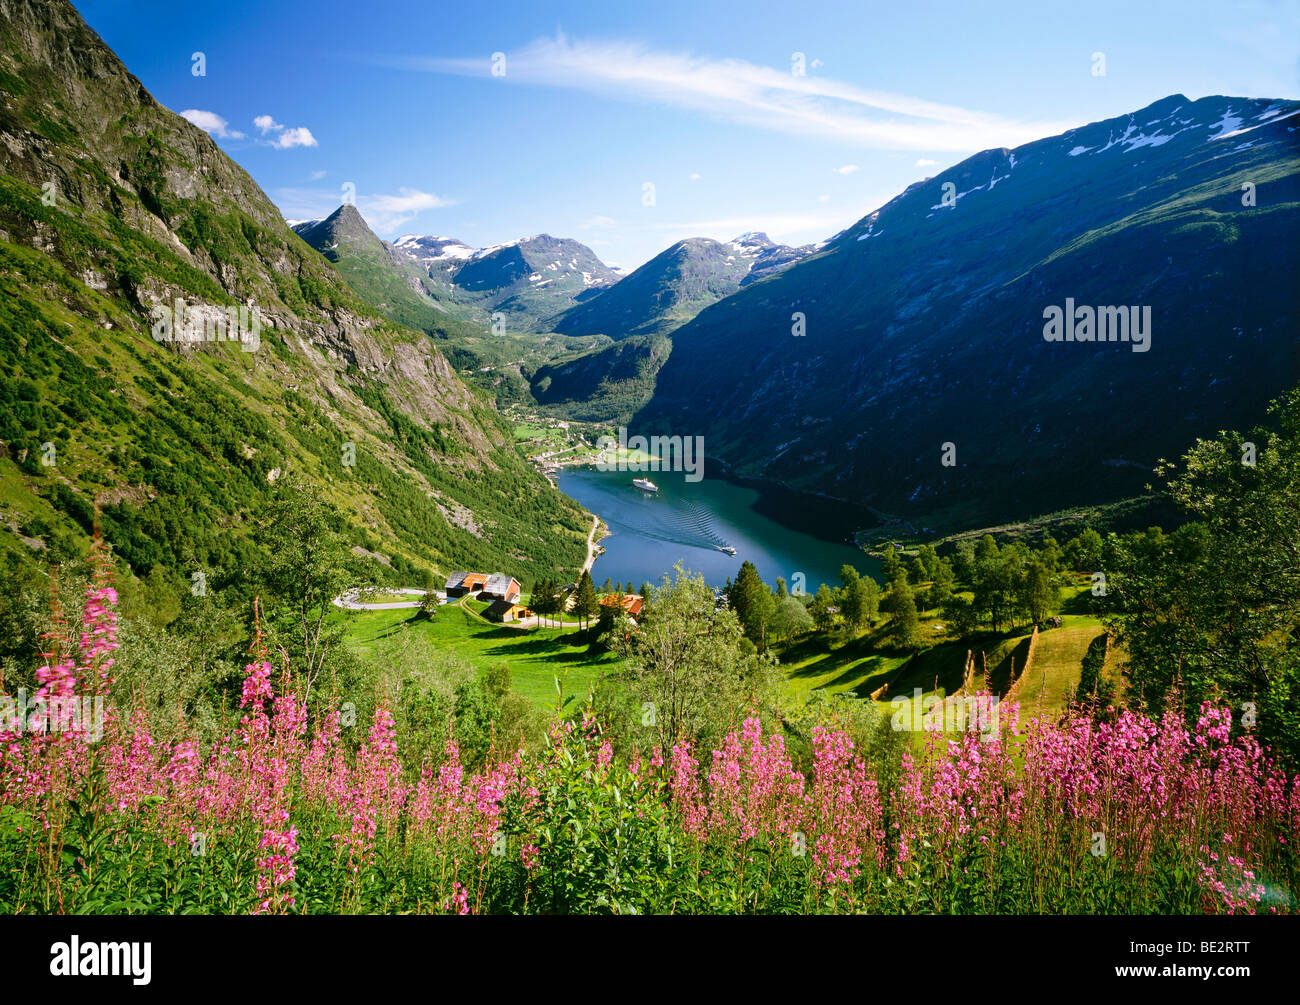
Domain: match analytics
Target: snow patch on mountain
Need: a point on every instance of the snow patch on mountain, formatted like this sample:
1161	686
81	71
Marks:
1248	129
1226	125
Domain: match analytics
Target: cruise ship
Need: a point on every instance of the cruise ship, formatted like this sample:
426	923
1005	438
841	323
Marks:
645	484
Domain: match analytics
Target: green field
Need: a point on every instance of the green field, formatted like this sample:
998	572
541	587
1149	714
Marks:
856	667
538	439
818	661
535	657
862	666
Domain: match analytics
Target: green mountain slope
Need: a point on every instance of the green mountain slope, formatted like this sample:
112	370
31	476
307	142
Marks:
925	323
608	385
522	286
110	206
377	276
412	282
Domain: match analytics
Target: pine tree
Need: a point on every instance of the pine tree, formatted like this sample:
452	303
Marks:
543	598
586	605
753	603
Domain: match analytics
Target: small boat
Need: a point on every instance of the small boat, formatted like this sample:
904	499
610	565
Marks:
726	549
645	484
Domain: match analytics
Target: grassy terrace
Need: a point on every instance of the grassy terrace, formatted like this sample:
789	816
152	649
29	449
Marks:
828	661
535	657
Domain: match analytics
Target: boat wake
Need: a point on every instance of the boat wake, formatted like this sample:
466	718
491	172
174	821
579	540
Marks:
685	523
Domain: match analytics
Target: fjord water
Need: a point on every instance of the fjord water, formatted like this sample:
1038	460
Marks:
781	532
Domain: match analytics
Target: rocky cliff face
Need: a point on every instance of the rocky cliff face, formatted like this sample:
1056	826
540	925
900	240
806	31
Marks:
78	123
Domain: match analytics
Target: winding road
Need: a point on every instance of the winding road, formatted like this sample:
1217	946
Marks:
349	601
591	543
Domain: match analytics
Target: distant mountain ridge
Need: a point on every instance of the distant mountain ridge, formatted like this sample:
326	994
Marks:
923	323
528	282
677	284
611	383
493	327
544	283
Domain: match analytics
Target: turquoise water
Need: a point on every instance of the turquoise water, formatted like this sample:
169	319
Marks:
782	533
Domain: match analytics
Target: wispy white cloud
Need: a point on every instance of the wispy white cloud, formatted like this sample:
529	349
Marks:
744	92
597	221
695	176
383	211
212	124
846	169
925	162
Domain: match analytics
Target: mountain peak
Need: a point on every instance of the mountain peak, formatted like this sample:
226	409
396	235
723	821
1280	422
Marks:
345	225
430	247
677	284
348	213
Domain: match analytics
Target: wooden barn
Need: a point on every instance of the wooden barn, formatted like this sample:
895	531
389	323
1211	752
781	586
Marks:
461	583
504	611
499	586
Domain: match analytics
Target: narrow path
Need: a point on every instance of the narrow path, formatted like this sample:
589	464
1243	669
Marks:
349	602
473	614
591	544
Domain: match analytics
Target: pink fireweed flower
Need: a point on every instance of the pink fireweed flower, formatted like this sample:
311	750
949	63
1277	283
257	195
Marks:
277	868
458	903
845	810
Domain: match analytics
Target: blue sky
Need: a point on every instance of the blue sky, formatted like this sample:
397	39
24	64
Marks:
694	97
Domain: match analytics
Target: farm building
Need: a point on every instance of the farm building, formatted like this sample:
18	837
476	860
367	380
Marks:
499	586
488	586
461	583
504	611
632	603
